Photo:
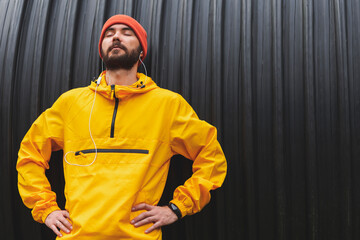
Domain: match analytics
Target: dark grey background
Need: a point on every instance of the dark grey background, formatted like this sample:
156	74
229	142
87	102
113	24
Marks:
280	79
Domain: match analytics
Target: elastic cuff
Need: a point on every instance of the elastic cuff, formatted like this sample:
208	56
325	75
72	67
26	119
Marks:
49	210
181	207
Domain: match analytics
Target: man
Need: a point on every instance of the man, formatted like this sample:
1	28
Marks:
118	136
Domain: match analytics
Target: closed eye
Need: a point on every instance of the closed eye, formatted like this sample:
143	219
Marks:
109	33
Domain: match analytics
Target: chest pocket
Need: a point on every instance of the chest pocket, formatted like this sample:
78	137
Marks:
111	156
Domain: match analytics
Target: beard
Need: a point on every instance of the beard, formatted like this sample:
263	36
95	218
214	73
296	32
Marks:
124	61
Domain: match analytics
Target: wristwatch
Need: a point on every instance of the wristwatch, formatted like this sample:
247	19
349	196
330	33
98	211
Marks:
175	209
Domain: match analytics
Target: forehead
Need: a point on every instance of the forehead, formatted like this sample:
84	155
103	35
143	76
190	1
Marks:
118	27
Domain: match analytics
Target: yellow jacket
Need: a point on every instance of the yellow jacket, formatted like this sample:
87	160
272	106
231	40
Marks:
136	130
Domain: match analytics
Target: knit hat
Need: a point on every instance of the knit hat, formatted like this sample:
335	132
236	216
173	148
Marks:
133	24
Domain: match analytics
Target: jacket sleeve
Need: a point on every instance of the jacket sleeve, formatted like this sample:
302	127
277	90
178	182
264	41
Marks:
196	140
44	136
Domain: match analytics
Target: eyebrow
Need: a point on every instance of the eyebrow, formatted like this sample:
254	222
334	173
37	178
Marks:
123	29
126	29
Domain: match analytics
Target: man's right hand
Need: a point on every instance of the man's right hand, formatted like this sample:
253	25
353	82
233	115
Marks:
58	220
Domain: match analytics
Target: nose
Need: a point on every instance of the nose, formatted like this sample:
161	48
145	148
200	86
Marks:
117	36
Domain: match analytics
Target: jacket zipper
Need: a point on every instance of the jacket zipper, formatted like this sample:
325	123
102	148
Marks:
142	151
115	111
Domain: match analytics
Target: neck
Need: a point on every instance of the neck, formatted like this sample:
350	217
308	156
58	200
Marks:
121	76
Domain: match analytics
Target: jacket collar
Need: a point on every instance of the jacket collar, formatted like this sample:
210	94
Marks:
143	85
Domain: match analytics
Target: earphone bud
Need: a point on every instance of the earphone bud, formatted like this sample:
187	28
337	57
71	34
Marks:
98	80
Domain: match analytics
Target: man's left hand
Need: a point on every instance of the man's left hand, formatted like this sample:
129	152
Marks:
160	216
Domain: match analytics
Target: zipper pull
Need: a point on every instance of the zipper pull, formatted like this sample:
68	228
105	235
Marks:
81	154
112	94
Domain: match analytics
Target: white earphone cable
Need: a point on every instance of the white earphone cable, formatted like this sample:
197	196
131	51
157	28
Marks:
80	165
144	68
92	139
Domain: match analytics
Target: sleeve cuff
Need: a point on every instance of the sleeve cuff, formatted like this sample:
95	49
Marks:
48	211
181	207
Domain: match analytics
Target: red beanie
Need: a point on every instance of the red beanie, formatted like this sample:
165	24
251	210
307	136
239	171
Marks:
133	24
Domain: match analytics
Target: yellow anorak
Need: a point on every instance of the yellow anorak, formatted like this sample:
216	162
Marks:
137	129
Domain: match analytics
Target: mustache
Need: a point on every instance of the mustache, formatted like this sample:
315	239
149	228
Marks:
117	45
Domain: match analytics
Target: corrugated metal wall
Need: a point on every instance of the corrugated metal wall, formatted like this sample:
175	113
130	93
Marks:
280	79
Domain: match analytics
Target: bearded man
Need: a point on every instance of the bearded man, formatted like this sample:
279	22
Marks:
118	136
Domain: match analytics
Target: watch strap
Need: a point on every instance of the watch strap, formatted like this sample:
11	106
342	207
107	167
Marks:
175	209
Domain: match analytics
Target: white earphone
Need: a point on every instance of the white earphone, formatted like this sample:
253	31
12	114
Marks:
97	84
142	86
86	165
